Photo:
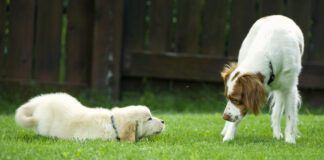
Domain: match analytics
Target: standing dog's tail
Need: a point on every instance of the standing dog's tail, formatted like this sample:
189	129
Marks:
24	115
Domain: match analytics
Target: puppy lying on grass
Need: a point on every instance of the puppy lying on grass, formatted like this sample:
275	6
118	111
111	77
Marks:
61	115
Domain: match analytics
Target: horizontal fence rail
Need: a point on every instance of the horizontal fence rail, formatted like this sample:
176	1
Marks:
96	43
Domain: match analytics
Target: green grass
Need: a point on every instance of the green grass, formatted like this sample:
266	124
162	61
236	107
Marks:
193	125
187	136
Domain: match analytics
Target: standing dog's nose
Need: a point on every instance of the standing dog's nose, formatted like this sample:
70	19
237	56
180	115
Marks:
226	117
162	121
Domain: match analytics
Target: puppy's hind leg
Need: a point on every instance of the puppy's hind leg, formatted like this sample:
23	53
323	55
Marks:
276	107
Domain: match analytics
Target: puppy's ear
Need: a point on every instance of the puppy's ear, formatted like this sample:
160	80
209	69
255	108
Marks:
253	92
128	132
228	69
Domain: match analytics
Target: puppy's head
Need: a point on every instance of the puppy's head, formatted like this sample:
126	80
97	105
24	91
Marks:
244	92
137	122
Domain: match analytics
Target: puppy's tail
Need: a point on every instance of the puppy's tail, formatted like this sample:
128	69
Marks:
24	115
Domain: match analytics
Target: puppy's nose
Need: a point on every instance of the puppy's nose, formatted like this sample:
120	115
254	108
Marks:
162	121
226	117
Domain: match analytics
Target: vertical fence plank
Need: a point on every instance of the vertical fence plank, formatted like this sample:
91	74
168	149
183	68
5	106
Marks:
134	25
300	12
213	27
134	28
188	26
242	18
271	7
48	33
2	32
107	46
21	36
160	25
317	50
79	41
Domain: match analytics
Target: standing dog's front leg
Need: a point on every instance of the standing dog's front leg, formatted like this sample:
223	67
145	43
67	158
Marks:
229	130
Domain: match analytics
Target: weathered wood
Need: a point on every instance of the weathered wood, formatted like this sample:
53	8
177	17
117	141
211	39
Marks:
312	76
271	7
107	46
317	49
134	24
300	12
2	33
20	52
242	18
79	41
48	34
173	66
214	27
200	68
160	25
188	26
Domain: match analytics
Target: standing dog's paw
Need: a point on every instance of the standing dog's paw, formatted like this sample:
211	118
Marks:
228	138
277	136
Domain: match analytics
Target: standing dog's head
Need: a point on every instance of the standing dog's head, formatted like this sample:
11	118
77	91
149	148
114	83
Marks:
135	122
244	92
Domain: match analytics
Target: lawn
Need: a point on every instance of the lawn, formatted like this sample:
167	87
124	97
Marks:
187	136
192	132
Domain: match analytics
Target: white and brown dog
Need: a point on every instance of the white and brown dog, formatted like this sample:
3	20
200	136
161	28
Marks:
61	115
269	63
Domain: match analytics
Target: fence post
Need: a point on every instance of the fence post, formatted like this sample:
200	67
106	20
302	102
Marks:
107	42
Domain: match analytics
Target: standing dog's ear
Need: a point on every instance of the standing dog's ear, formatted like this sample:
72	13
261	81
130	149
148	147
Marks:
129	132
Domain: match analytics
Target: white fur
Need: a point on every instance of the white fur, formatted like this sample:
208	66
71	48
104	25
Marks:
61	115
276	39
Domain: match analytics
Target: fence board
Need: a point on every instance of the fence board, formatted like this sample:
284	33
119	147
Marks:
134	24
160	25
242	18
19	58
173	66
312	76
317	51
200	68
79	41
48	34
271	7
188	26
107	46
2	32
213	27
300	12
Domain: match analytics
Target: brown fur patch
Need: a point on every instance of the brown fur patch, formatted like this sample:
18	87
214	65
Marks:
128	132
250	92
236	74
228	69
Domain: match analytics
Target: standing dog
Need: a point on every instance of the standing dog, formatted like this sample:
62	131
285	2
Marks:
61	115
269	61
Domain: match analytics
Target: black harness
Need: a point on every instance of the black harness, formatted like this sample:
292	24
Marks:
272	76
114	126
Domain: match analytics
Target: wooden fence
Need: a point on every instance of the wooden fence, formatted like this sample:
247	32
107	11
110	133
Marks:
96	43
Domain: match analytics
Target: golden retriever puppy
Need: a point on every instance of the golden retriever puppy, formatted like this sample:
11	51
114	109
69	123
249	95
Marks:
61	115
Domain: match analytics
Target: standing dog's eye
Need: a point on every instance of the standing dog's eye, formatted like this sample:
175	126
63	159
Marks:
150	119
236	102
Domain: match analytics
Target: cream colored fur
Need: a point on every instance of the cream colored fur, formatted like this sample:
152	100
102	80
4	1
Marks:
61	115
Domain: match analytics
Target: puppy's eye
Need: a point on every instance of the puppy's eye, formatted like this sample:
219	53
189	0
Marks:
150	119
